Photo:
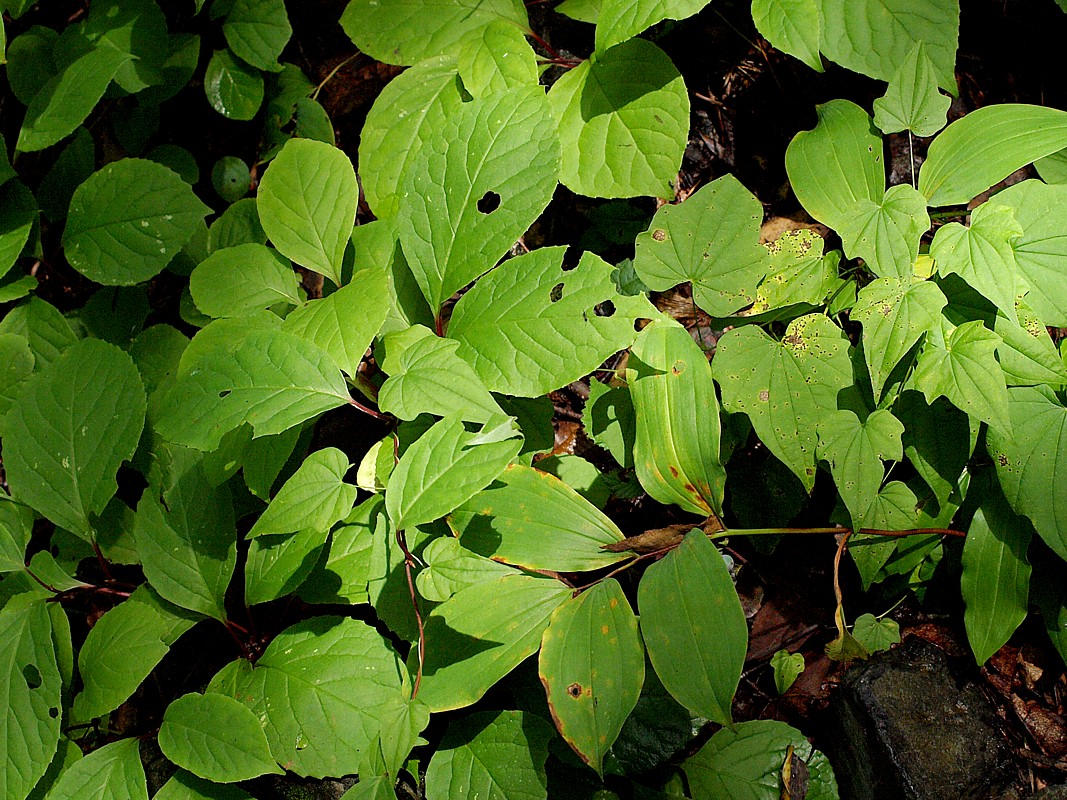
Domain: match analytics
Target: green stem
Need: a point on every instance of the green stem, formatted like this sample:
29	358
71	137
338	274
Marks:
866	531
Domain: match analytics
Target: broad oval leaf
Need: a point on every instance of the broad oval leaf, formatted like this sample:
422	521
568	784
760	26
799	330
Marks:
257	32
128	220
69	431
623	122
241	280
45	329
495	59
215	737
693	627
307	204
315	497
277	564
986	146
233	88
592	664
113	772
620	20
187	786
792	26
482	633
534	520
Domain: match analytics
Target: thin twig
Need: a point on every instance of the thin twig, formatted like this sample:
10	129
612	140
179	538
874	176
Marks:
409	562
334	71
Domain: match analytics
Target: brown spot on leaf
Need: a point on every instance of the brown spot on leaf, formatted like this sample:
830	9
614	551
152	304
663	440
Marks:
764	395
673	469
659	234
575	690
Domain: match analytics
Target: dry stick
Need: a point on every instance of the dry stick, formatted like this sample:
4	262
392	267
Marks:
837	569
409	562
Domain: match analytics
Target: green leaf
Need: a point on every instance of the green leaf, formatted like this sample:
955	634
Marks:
450	568
787	668
71	169
1026	352
63	103
746	763
123	647
270	379
31	61
785	387
257	32
315	497
581	475
443	469
16	528
676	450
875	37
408	31
495	59
529	327
215	737
137	29
886	234
31	686
712	240
427	376
1052	169
186	786
376	787
482	633
16	364
959	363
233	88
307	204
837	164
321	714
982	254
874	634
113	772
278	564
129	220
912	102
895	313
623	122
693	627
893	509
70	429
491	754
238	224
620	20
236	281
534	520
792	26
404	116
608	419
592	664
42	326
1036	451
342	576
937	441
459	215
798	272
344	323
18	212
854	449
987	145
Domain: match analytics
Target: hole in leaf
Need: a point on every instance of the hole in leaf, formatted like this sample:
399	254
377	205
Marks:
32	675
224	392
605	309
53	712
489	203
575	690
557	293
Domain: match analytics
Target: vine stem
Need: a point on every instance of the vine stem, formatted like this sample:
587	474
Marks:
329	77
869	531
366	410
654	554
409	562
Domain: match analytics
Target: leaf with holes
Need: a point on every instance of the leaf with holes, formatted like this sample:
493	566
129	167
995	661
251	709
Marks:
712	240
886	233
912	101
459	215
69	431
592	664
257	32
1027	353
236	281
315	497
792	26
534	520
128	220
114	771
529	327
623	118
855	449
785	387
798	272
307	204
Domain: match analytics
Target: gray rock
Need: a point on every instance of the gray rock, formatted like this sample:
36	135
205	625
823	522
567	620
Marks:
906	726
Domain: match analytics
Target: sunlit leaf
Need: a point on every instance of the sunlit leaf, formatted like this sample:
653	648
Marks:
240	280
886	233
315	497
792	26
855	450
620	20
114	772
912	101
257	32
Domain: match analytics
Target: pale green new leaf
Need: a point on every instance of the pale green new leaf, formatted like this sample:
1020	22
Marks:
874	37
257	32
792	26
855	449
215	737
1031	463
798	272
408	31
482	633
123	647
495	59
114	772
712	240
16	528
69	431
620	20
982	254
894	313
592	663
315	497
444	468
450	568
623	120
30	685
18	211
270	379
785	387
307	204
962	367
534	520
837	164
236	281
1053	168
427	376
912	102
886	233
693	627
787	668
277	564
529	327
461	213
986	146
494	755
676	451
129	220
875	635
